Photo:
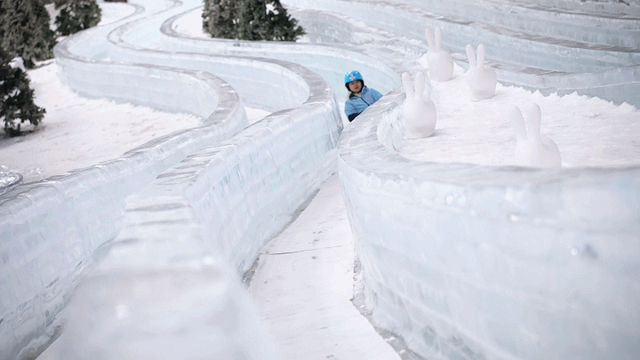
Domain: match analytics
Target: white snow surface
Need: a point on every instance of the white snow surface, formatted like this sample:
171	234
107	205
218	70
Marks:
590	132
78	132
190	24
112	12
303	286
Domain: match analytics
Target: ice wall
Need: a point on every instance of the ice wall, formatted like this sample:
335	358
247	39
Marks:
565	57
606	26
216	207
55	227
477	262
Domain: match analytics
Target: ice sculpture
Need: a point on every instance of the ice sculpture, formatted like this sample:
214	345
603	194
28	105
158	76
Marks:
418	113
481	78
439	61
532	148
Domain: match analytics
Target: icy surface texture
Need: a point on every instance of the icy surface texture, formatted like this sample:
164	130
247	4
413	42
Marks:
8	179
273	79
477	262
331	62
55	226
174	313
602	65
576	23
218	206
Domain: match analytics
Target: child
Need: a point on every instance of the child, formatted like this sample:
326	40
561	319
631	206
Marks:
360	96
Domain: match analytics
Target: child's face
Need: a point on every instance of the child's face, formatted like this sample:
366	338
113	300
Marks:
355	86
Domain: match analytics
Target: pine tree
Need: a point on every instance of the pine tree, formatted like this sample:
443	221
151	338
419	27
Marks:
249	20
219	18
76	15
281	25
24	30
252	20
16	98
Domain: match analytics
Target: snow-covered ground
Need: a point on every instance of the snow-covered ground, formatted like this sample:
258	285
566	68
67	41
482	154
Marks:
589	132
303	286
77	132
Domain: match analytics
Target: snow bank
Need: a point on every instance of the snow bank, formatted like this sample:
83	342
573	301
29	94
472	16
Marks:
68	139
468	261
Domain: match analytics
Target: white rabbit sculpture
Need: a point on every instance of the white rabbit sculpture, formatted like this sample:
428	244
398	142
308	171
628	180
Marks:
481	78
532	148
418	113
439	61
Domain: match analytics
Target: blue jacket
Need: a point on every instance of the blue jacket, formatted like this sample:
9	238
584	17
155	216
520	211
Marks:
356	104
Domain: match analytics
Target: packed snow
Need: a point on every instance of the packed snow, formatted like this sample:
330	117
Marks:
112	12
589	132
303	286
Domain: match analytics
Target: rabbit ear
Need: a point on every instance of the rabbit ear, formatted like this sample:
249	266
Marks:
480	54
429	35
438	38
518	123
419	84
407	83
471	56
533	116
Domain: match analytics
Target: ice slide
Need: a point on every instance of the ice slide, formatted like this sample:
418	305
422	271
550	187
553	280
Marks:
106	68
469	335
474	262
80	212
536	46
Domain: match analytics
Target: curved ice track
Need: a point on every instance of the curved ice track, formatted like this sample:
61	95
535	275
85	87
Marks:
537	47
208	184
39	282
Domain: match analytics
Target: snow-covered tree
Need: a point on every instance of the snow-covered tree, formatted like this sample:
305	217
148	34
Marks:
219	18
253	23
281	25
76	15
16	98
24	30
249	20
